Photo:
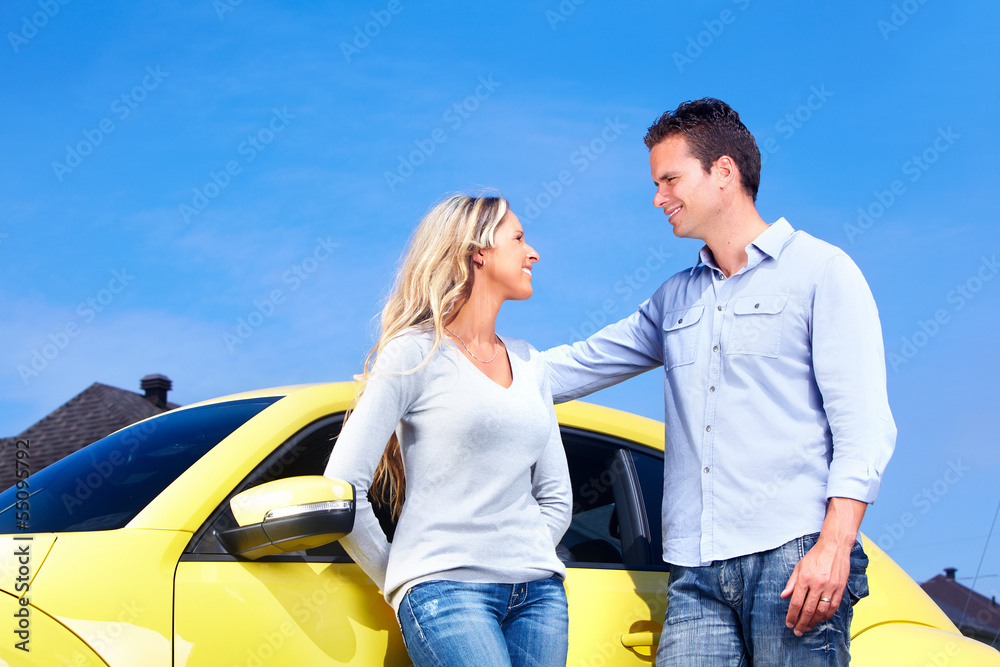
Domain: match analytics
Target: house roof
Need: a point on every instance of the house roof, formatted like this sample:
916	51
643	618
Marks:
94	413
972	612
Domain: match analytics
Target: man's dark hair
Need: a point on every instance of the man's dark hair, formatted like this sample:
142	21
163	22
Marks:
712	129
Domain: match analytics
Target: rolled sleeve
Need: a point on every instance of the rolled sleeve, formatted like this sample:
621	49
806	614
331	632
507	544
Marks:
849	366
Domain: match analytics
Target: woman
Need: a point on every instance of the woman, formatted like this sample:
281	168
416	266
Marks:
472	570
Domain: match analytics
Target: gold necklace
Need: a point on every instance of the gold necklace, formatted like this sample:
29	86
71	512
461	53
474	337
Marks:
496	351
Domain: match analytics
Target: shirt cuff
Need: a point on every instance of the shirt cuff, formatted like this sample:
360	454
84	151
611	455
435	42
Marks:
850	478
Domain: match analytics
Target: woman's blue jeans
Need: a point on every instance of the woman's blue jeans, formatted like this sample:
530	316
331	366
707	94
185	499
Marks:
451	623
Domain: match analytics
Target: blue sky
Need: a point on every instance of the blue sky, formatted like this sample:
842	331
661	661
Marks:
220	191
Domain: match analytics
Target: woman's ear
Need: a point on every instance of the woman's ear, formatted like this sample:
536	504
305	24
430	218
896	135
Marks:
479	257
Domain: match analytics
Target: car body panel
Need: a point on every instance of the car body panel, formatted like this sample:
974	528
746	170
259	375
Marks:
39	546
49	643
606	605
114	590
893	594
624	425
911	645
333	614
318	614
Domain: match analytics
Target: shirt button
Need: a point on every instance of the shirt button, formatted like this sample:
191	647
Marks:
756	305
680	320
708	429
715	349
720	308
712	389
706	469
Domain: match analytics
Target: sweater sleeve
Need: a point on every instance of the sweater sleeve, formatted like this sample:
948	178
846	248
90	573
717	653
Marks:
387	397
550	481
550	484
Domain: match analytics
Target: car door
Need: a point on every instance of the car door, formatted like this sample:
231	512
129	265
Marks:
615	577
312	607
317	607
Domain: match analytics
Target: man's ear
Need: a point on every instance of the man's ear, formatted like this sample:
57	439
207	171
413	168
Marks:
725	170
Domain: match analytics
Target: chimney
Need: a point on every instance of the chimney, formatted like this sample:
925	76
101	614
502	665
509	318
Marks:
156	387
949	572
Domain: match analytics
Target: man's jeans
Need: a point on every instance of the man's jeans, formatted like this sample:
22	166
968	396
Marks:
730	613
450	623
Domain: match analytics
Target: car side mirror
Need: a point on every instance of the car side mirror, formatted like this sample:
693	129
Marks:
289	515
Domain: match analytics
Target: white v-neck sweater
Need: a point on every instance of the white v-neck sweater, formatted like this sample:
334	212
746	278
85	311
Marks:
488	492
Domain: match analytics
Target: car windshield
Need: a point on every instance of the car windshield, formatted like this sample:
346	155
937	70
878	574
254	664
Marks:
104	485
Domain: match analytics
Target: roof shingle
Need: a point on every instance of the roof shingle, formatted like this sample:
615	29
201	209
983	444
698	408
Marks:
975	614
94	413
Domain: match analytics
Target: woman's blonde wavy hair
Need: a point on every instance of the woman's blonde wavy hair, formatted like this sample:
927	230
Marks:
434	280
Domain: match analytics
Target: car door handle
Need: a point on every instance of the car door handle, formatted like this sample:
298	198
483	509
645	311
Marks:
635	639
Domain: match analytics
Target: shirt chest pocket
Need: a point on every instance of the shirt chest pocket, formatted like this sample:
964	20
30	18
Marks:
681	329
757	325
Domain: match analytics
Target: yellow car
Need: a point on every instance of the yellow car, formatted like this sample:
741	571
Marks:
128	553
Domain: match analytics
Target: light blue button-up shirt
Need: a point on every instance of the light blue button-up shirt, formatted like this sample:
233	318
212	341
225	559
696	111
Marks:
774	387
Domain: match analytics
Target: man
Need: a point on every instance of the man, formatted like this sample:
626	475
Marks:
778	426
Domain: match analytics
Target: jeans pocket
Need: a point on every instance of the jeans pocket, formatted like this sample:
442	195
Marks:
683	596
424	601
804	544
857	580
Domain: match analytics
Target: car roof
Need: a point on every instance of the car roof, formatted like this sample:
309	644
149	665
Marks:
576	414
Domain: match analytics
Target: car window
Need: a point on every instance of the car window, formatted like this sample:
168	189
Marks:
305	453
649	471
608	526
105	484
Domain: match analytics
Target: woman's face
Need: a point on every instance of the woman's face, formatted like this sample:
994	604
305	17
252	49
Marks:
507	266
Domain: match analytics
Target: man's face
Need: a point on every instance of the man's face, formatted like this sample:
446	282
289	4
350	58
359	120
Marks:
687	194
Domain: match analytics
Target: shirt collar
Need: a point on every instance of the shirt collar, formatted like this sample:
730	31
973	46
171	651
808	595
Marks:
769	243
773	239
704	257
